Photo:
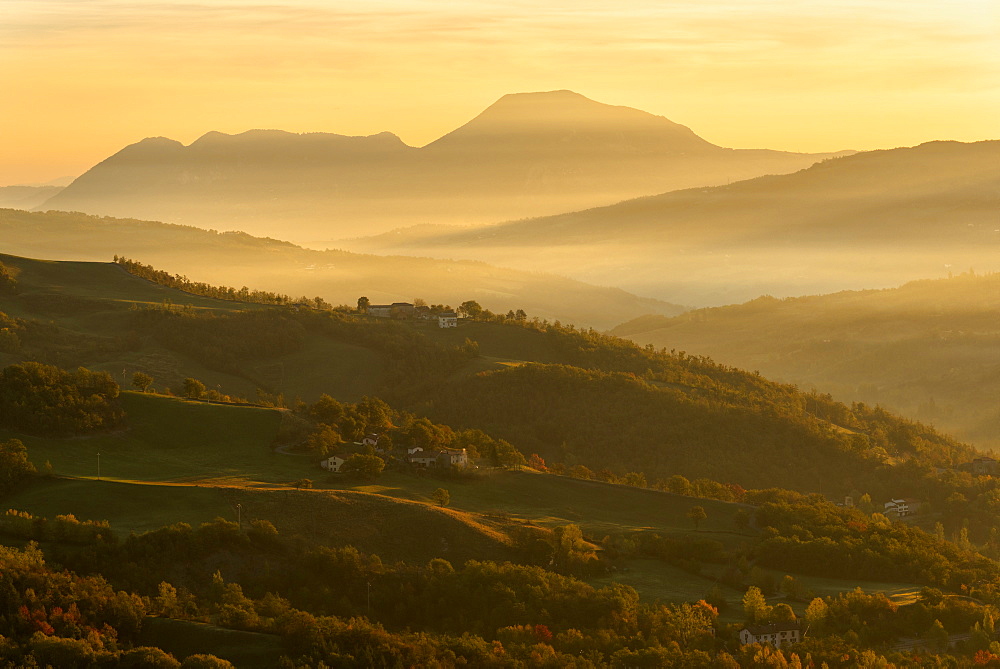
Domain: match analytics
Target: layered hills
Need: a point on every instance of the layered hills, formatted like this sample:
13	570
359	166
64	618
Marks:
927	349
575	397
526	155
878	218
339	277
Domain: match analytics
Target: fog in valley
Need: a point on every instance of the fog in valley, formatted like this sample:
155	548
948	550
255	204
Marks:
506	335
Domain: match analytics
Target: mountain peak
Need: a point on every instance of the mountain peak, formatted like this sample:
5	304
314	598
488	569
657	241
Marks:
569	120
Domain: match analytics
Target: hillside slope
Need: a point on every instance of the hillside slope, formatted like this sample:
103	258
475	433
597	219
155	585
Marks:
236	259
872	219
926	349
573	396
526	155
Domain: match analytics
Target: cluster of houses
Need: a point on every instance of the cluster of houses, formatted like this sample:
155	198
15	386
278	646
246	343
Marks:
441	458
405	310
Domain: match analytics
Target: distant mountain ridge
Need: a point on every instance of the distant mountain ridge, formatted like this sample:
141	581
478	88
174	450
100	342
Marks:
841	223
528	154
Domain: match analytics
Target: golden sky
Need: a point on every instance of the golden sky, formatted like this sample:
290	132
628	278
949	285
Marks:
83	78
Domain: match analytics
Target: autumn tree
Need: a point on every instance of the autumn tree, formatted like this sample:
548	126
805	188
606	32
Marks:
679	485
142	381
441	496
193	388
366	467
697	514
755	606
470	308
535	461
14	464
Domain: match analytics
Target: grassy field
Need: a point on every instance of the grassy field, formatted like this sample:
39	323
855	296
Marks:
658	581
599	508
182	638
74	288
394	529
506	343
93	299
185	461
128	507
170	439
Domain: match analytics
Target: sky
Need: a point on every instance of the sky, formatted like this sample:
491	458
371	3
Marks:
84	78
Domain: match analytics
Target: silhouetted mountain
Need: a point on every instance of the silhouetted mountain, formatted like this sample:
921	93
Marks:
842	223
528	154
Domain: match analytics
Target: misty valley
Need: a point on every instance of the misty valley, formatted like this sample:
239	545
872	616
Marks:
569	386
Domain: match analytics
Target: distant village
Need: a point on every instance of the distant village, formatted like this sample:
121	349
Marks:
416	456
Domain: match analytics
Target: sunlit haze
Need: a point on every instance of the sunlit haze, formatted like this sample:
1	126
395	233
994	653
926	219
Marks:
83	79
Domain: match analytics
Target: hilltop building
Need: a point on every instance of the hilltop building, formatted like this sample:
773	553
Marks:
448	319
394	310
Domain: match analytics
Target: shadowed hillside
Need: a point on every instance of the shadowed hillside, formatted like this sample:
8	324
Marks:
574	396
927	349
528	154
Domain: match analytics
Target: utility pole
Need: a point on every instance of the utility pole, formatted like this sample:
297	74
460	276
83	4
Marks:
369	599
98	466
239	515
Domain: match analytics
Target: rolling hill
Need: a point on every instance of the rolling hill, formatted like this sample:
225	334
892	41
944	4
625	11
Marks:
340	277
526	155
573	396
580	398
873	219
926	349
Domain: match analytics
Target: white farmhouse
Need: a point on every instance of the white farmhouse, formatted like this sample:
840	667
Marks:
898	506
774	634
333	463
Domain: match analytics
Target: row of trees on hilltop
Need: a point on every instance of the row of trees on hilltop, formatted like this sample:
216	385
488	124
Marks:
182	283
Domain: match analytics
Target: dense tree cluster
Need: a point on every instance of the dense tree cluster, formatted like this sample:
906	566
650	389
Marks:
8	284
480	614
14	464
55	618
624	421
335	423
41	399
809	535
